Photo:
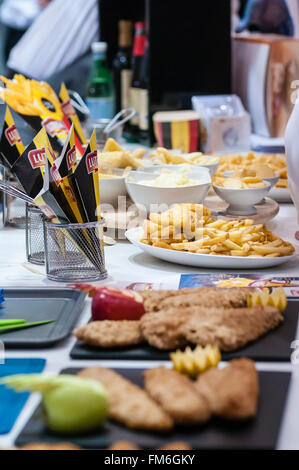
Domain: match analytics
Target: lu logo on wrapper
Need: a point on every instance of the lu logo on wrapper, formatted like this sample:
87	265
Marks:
11	146
29	167
67	161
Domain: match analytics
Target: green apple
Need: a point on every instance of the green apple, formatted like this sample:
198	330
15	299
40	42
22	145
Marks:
71	404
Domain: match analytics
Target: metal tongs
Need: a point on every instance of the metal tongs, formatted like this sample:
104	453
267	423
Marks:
125	114
78	103
14	192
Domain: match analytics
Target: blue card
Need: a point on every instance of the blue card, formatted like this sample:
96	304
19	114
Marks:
11	402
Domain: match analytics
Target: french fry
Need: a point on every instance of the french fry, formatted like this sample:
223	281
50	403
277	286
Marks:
231	245
160	244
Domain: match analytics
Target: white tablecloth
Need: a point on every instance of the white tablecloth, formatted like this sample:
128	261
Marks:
126	263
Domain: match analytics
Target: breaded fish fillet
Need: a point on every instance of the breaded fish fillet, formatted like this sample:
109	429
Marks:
202	296
162	329
123	445
231	392
176	446
229	329
129	404
110	334
210	298
177	395
50	446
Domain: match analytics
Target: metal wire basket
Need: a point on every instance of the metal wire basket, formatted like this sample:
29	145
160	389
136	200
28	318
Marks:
35	245
74	252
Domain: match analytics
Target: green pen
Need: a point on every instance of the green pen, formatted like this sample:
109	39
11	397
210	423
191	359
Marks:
7	329
11	322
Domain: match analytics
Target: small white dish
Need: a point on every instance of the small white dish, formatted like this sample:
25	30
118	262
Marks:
204	261
213	167
281	195
157	199
242	201
111	188
273	181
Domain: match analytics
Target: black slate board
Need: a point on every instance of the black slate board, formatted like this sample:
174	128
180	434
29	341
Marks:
274	346
38	304
258	433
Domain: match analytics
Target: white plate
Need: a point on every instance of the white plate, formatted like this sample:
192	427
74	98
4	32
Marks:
205	261
281	194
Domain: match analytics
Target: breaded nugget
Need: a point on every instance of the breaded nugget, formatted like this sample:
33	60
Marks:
129	404
123	445
176	446
162	329
231	392
229	329
210	298
177	395
110	334
152	298
203	296
50	446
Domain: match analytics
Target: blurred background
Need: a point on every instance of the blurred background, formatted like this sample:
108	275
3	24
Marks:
161	56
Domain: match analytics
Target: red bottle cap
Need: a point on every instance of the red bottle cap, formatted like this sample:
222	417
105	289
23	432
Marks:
140	39
140	25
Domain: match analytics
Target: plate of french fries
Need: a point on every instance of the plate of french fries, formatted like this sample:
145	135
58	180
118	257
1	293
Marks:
187	234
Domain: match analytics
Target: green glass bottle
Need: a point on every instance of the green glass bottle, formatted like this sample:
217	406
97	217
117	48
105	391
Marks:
100	91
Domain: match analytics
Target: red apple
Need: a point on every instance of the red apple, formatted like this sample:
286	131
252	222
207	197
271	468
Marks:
115	304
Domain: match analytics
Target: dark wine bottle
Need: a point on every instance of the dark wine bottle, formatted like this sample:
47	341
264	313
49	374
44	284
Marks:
143	95
137	59
122	66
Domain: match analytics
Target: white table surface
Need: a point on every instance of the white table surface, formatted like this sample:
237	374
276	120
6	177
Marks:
126	263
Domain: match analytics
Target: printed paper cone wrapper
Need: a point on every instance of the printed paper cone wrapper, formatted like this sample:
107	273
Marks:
11	146
37	103
55	213
29	168
85	182
67	161
61	189
71	118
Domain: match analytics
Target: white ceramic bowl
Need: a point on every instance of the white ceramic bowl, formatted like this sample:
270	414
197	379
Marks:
213	167
111	188
242	201
156	199
274	180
